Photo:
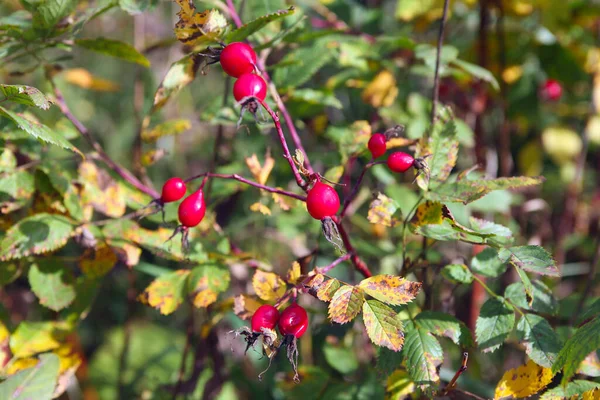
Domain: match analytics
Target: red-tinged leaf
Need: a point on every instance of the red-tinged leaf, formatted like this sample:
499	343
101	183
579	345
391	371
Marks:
328	289
346	304
390	289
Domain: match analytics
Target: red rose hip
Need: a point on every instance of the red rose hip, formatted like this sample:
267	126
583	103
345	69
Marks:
249	85
266	316
377	145
322	201
237	59
293	321
400	162
192	209
173	190
551	90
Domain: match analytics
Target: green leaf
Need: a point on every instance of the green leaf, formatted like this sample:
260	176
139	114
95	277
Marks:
135	7
486	263
15	190
495	322
346	304
38	234
27	95
530	258
179	75
51	12
469	191
423	353
53	284
314	97
342	359
441	324
383	325
573	389
114	48
297	67
585	340
37	382
37	130
8	161
248	29
502	235
477	72
206	282
166	293
541	342
441	150
543	299
457	273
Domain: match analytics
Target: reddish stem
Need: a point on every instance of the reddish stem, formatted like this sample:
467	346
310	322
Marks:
326	269
248	182
352	195
354	258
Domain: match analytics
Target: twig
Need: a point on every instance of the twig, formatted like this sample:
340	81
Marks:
327	268
123	173
184	356
286	150
249	182
436	77
461	370
355	188
354	258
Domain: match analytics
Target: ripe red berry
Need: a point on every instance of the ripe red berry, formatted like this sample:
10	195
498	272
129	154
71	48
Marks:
249	85
192	209
322	201
293	321
266	316
400	162
377	145
173	190
551	90
237	59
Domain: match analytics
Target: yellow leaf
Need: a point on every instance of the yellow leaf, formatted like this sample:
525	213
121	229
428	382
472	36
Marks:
204	295
346	304
399	142
267	285
168	128
592	129
523	381
399	385
70	360
127	253
283	202
152	156
261	208
244	306
4	332
512	74
84	79
260	172
390	289
381	211
294	273
383	325
21	364
429	213
165	293
37	337
98	262
593	394
101	191
328	289
194	28
382	91
561	144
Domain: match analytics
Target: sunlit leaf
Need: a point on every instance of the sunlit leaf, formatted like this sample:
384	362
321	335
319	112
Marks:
179	75
487	263
382	210
267	285
101	191
86	80
37	337
382	91
523	381
573	390
259	171
576	349
495	322
97	262
261	208
346	304
383	325
328	289
37	382
543	300
541	342
441	324
246	30
530	258
399	385
206	282
27	95
167	128
457	273
440	151
294	273
194	27
423	353
16	188
245	306
466	191
167	292
390	289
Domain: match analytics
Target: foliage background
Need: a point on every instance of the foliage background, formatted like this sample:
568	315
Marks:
330	76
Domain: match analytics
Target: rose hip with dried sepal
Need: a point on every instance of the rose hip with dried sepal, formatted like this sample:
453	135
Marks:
322	201
237	59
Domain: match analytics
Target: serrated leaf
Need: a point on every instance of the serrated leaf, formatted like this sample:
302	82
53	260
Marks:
97	262
423	353
468	191
38	234
530	258
429	213
179	75
248	29
543	300
495	322
502	234
166	293
37	382
346	304
457	273
195	28
50	12
267	285
383	325
53	284
382	210
583	342
486	263
298	66
37	337
16	188
328	289
441	150
167	128
38	130
575	389
541	342
523	381
114	48
27	95
441	324
206	282
390	289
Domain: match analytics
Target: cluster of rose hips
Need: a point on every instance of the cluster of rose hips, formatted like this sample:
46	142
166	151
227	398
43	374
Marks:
397	161
292	323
